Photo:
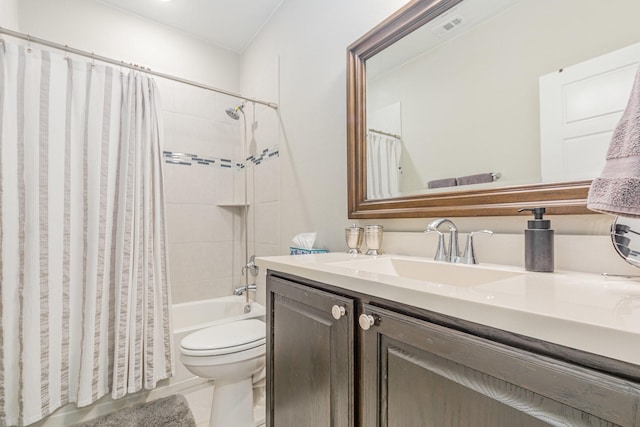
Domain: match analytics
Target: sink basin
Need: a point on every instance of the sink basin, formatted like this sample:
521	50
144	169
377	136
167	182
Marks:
431	271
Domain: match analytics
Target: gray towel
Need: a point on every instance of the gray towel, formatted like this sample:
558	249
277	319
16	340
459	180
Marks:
171	411
479	178
440	183
617	190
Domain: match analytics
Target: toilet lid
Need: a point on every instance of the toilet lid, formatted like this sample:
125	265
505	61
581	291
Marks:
226	338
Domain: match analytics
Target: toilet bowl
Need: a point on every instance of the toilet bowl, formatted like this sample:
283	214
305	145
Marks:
228	354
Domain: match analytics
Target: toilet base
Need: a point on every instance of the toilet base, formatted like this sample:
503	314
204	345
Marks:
232	404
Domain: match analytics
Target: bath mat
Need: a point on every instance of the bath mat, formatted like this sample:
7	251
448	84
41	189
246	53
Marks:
171	411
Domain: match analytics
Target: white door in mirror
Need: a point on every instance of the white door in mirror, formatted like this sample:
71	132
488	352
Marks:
579	108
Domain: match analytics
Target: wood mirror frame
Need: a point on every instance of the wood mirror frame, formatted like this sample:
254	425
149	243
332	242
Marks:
557	198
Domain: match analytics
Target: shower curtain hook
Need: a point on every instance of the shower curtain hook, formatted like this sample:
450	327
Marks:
28	43
93	60
66	52
121	67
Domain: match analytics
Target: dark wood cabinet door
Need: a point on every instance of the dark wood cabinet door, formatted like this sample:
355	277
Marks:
310	357
415	373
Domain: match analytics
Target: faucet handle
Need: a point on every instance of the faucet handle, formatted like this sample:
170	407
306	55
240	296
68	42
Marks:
441	251
469	255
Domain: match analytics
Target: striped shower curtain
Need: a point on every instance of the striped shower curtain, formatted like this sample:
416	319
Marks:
84	304
384	154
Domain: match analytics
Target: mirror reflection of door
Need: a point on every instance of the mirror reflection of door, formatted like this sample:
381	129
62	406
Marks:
580	107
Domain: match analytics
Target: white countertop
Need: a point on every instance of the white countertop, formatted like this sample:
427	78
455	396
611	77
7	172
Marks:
588	312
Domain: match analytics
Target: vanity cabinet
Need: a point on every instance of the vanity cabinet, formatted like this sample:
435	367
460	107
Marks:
310	356
416	373
403	368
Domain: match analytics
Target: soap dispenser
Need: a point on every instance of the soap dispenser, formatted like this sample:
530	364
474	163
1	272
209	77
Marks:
538	242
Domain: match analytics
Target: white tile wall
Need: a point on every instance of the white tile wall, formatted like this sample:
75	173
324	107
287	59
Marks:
224	193
206	223
266	182
206	241
194	135
191	184
264	250
267	223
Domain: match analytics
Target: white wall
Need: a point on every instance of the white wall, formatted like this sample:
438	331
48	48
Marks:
299	61
94	27
308	38
9	14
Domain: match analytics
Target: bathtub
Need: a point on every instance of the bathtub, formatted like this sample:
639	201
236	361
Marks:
191	316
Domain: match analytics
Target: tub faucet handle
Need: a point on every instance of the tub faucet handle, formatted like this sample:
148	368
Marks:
251	266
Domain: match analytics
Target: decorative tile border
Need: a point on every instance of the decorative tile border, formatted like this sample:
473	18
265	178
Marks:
186	159
267	153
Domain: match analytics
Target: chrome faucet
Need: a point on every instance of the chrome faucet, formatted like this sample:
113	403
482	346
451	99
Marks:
242	289
442	254
453	254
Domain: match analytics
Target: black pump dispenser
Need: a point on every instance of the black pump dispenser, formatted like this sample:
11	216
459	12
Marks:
538	223
538	242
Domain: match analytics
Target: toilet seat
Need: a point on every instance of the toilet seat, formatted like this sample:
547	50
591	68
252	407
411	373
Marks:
227	338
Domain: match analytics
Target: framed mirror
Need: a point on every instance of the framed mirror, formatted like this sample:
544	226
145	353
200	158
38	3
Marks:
468	90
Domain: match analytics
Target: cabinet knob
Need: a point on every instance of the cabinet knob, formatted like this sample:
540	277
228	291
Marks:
338	311
366	321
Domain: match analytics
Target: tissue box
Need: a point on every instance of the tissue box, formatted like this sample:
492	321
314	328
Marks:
302	251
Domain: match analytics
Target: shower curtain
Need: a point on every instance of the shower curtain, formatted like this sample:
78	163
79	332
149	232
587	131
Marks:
383	166
84	306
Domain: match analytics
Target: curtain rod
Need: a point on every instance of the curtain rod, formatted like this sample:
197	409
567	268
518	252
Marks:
65	48
385	133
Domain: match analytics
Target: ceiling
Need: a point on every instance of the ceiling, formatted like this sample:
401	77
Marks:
230	24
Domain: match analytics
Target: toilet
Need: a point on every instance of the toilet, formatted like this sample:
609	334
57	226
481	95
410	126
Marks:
228	354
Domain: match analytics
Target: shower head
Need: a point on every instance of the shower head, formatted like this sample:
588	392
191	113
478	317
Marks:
233	112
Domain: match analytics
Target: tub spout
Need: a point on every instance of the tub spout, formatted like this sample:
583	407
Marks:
242	289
